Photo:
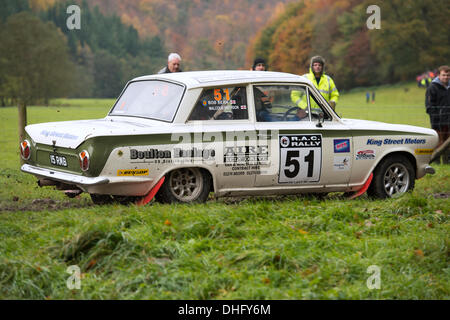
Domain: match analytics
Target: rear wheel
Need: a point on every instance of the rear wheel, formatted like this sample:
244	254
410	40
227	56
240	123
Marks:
185	185
392	178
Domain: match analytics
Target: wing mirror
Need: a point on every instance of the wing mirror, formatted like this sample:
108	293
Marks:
321	120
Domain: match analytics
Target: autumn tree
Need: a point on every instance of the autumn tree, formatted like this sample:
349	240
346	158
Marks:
413	38
34	63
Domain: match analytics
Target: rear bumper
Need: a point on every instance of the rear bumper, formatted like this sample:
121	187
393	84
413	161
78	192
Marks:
122	186
63	177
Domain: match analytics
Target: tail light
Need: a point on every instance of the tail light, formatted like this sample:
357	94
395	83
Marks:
83	157
25	150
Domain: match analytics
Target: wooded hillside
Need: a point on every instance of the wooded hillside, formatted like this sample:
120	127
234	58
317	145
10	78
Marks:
414	36
119	40
209	34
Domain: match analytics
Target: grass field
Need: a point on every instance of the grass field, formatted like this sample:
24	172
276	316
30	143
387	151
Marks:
253	248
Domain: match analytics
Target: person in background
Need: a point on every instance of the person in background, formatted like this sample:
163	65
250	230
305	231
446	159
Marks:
321	81
437	102
259	65
173	64
373	96
324	84
367	97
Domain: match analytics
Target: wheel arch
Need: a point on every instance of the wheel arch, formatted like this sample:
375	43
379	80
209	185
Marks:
406	154
377	187
203	169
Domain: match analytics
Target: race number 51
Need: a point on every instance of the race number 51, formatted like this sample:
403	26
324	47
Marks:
300	158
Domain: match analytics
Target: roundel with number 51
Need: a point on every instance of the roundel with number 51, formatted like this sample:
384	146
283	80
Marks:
300	158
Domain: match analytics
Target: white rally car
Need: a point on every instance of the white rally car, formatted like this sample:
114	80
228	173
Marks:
180	136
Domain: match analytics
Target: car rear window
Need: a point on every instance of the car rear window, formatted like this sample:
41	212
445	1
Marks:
152	99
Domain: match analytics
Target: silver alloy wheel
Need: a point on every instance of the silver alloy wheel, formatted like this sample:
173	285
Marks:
396	180
186	184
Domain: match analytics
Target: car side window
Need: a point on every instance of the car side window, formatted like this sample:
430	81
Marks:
286	103
280	103
222	103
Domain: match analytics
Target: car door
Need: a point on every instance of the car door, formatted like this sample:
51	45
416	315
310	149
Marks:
301	151
221	115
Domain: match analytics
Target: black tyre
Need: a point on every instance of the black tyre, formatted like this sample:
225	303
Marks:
185	185
393	177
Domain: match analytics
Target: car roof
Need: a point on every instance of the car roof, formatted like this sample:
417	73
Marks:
195	79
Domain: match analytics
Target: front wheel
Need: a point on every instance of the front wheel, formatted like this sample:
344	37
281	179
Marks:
392	178
185	185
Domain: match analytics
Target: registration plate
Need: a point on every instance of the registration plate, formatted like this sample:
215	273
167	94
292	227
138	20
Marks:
58	160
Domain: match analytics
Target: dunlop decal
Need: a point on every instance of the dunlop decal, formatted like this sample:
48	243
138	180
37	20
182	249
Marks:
132	172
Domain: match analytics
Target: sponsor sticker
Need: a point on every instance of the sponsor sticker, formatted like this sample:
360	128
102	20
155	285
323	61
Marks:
341	163
341	145
423	151
56	134
388	141
365	155
132	172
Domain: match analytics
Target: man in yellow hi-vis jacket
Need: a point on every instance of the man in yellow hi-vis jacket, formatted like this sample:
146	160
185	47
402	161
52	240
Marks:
321	81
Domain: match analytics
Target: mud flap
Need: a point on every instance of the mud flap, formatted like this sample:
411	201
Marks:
147	198
363	189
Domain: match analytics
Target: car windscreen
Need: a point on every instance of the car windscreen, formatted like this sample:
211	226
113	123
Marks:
152	99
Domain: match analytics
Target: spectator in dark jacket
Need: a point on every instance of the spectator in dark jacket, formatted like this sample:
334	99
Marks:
437	102
259	65
173	64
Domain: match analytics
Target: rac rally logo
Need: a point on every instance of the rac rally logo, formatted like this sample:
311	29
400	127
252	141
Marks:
341	145
284	141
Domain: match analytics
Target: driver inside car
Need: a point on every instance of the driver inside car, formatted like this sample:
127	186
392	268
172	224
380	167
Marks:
264	112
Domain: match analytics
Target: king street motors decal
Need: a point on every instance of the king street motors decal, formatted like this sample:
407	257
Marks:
388	141
300	158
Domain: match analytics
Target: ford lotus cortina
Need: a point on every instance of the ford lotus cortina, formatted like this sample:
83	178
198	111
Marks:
180	136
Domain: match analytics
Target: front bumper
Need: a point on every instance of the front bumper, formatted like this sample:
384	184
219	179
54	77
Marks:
63	177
